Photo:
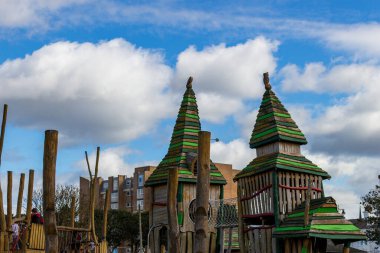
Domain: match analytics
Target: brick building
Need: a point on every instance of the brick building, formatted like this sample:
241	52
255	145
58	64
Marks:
129	192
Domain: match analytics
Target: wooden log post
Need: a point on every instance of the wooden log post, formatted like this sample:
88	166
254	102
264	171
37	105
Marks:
3	228
241	222
9	207
20	195
105	214
201	244
346	247
172	210
72	220
28	207
49	168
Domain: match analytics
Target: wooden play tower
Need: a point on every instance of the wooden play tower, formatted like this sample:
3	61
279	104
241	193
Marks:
277	181
182	160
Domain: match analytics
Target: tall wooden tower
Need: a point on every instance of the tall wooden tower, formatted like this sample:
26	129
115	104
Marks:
182	155
276	181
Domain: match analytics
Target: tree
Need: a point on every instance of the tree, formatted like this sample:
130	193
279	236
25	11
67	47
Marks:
63	195
122	226
371	203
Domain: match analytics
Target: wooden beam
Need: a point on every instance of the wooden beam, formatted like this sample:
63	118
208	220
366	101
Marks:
49	171
3	124
172	211
201	244
105	214
9	207
3	236
72	211
20	195
28	206
240	218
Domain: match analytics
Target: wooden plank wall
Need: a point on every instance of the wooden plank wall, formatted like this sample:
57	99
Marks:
259	240
295	245
37	237
257	194
293	189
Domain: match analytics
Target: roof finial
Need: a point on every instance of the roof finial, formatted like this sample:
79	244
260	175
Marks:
266	81
189	82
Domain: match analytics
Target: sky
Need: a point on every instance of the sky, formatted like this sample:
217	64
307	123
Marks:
112	74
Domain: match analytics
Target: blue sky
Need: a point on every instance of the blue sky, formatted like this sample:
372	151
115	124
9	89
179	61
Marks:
112	73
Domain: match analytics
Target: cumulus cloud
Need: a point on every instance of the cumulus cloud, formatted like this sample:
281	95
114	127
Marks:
112	162
33	13
226	75
349	124
101	92
235	152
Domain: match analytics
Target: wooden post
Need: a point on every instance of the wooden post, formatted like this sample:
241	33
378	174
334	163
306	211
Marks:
9	207
172	211
201	243
93	181
20	194
241	222
3	237
3	227
105	215
307	204
346	247
49	168
72	211
28	207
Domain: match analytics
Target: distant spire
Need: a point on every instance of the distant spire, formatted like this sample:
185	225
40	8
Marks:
266	81
360	212
189	82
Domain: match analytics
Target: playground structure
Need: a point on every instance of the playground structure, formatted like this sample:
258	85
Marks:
48	236
280	207
281	184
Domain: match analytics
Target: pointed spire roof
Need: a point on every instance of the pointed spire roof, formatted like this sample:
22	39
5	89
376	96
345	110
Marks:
274	122
183	146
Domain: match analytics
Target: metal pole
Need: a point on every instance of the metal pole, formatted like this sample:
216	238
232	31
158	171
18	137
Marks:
141	249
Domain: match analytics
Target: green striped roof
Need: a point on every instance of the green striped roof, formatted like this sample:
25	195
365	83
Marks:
184	143
279	161
274	123
324	222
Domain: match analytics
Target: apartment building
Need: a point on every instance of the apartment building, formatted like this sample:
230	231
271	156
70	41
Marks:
127	193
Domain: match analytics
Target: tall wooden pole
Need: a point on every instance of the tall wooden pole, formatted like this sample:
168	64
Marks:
72	220
49	168
3	238
201	244
172	211
9	207
105	215
28	206
20	194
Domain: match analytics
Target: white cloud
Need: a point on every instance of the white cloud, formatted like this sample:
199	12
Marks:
225	75
32	13
235	152
339	78
101	92
111	163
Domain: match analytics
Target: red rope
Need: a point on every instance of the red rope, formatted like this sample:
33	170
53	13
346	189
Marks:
256	193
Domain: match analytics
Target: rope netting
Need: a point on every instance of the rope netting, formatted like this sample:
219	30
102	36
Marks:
222	213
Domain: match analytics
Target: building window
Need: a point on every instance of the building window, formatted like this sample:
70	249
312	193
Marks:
114	205
105	186
140	193
141	204
128	192
128	204
115	185
114	197
141	180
